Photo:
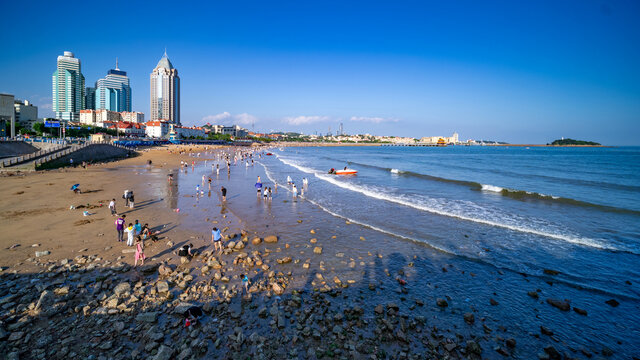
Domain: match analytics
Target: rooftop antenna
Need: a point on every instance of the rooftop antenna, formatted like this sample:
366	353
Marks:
117	63
165	51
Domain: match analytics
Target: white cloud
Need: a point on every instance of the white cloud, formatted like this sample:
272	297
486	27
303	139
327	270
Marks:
302	120
226	118
216	118
375	120
245	119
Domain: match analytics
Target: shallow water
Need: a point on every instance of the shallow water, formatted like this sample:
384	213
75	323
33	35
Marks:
443	208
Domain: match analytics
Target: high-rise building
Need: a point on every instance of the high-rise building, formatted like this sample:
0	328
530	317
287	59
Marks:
165	92
113	93
68	88
7	113
90	98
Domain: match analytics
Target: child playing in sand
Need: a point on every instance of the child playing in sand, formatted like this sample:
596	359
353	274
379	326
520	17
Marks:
139	251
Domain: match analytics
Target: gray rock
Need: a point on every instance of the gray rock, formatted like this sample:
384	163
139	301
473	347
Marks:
472	347
45	301
122	288
149	317
164	353
162	286
469	318
560	304
442	302
42	253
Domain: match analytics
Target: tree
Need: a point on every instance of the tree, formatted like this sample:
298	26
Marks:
39	128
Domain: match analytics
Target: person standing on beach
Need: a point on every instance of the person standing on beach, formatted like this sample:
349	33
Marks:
130	233
120	227
139	252
131	200
224	193
137	227
216	239
112	207
245	283
295	191
209	180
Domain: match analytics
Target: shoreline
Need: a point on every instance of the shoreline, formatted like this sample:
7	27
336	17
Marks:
320	311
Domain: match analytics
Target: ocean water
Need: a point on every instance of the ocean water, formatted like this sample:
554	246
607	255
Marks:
471	224
573	210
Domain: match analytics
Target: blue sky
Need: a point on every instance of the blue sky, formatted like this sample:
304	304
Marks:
522	72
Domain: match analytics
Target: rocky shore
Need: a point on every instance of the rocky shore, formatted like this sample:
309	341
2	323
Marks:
87	307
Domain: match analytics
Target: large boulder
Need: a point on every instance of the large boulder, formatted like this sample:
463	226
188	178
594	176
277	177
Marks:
277	289
162	286
122	288
164	270
271	239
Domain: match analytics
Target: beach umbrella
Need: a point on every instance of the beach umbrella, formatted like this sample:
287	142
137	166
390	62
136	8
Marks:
75	186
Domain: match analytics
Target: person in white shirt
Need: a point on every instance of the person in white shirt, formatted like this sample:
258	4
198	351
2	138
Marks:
131	231
295	191
112	207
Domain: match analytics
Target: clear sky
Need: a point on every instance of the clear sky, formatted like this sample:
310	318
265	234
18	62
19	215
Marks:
516	71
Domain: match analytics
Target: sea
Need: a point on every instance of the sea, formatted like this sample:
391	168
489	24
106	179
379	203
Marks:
478	224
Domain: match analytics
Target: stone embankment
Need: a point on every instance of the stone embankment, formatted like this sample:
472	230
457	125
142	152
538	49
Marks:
53	156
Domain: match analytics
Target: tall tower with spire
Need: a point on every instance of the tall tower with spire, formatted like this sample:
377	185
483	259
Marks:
165	92
112	93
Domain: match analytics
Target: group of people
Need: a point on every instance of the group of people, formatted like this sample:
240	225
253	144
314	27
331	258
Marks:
136	232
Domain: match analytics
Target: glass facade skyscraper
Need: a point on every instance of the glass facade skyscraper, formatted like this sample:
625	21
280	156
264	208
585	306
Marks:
165	92
68	88
113	93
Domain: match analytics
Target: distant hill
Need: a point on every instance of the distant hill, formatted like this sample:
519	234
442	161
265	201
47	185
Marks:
573	142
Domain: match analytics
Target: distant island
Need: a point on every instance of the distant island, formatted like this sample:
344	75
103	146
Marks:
564	142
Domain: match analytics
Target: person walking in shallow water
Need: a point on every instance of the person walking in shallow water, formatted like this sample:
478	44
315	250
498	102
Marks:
223	190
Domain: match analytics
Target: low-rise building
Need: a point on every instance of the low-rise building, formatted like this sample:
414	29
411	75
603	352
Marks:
26	114
131	129
132	116
185	132
99	117
100	137
233	130
157	129
453	139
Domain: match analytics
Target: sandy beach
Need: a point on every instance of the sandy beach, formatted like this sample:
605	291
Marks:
323	294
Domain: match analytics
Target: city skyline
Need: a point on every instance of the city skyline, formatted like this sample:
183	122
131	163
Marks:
498	71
